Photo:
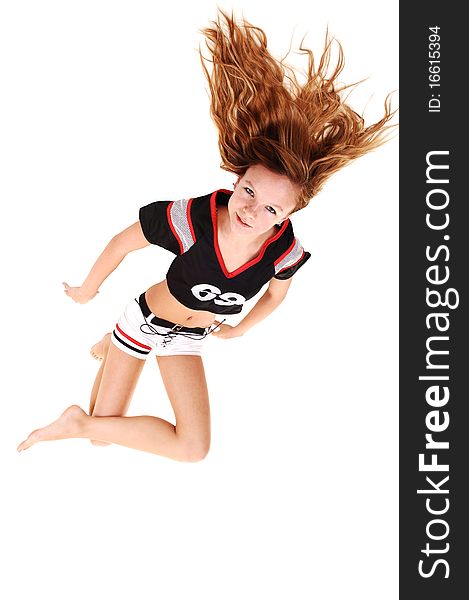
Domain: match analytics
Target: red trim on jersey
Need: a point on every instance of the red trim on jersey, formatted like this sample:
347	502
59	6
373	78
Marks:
285	253
168	213
256	259
132	339
189	219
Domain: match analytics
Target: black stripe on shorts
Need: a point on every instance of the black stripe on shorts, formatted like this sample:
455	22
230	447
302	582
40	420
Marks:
134	348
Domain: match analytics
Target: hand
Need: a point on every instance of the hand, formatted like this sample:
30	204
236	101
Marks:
77	294
226	332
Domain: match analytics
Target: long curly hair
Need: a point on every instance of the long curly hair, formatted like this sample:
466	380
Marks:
264	115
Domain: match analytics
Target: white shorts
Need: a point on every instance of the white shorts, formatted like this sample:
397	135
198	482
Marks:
139	332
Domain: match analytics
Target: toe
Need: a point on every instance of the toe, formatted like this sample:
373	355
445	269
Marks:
25	444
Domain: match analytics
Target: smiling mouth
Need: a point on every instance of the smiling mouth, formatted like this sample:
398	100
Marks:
242	222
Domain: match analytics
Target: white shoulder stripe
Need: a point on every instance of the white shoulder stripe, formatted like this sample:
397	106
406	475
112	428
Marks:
291	258
179	220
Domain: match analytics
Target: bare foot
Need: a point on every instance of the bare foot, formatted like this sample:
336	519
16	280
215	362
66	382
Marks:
68	425
99	350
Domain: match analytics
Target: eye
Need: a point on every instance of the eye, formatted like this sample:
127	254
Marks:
271	209
249	191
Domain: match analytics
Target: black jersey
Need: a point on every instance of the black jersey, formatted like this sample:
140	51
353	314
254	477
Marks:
198	277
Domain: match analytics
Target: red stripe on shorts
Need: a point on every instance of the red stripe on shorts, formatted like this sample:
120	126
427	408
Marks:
132	339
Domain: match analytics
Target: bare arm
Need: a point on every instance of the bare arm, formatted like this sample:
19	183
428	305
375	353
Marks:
266	304
120	245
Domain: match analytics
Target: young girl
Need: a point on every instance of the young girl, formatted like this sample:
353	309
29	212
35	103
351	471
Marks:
283	139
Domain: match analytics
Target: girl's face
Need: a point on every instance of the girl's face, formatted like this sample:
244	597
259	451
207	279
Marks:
261	199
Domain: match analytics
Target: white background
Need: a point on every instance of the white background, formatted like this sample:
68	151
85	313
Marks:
104	108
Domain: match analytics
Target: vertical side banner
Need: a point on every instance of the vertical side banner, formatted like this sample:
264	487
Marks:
433	284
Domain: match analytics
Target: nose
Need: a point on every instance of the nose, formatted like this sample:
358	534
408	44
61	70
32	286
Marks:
250	209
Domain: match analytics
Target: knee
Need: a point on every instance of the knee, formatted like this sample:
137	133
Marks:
195	451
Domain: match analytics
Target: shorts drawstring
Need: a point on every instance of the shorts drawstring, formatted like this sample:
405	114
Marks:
148	328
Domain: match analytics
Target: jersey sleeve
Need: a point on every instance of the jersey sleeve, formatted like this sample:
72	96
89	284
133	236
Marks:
168	224
292	260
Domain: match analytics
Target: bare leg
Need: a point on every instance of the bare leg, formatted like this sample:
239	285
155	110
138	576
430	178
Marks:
112	393
99	351
184	379
186	386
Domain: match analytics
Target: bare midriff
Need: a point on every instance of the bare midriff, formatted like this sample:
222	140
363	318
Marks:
164	305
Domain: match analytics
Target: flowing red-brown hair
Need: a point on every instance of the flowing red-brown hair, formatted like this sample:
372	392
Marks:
264	115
